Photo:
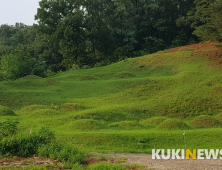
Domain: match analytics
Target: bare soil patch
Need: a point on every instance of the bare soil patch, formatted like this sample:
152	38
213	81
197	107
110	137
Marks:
204	46
14	160
146	160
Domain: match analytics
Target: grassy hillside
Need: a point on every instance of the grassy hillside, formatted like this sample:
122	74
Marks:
131	106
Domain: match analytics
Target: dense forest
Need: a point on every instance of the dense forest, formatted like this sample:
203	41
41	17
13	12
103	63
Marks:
75	34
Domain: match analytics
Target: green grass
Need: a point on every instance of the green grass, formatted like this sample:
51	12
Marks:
127	106
219	117
205	121
5	111
100	166
126	125
173	124
85	125
152	122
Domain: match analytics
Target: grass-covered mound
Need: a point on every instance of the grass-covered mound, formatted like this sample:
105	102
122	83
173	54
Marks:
126	125
85	125
103	114
173	124
71	107
31	108
205	121
45	112
152	122
124	75
219	117
5	111
31	77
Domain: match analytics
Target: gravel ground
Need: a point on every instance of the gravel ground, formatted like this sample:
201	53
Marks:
146	160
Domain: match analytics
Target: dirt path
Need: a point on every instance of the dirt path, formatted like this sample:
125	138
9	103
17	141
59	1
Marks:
13	161
127	159
146	160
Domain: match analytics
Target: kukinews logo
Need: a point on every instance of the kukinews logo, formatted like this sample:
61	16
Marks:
187	154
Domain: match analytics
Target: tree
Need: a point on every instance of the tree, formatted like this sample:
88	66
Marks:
206	18
14	66
51	17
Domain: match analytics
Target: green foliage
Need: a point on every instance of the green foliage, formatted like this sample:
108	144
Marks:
173	124
46	135
123	52
16	66
205	121
8	127
61	152
23	145
181	85
153	44
10	66
91	35
206	19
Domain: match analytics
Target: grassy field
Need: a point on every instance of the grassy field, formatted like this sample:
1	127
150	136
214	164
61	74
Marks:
135	105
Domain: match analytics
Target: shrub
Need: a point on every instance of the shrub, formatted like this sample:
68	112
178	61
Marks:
173	124
25	145
123	52
16	66
205	121
8	127
46	135
61	152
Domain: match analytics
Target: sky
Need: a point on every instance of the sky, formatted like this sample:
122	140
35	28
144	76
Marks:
12	11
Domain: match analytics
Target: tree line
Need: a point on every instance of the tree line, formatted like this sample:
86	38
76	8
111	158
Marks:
73	34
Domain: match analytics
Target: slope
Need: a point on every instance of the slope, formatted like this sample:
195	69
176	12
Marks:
107	106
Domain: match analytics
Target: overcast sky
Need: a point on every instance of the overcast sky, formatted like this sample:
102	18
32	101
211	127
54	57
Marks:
12	11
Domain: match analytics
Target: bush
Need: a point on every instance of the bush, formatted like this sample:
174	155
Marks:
173	124
16	66
152	45
25	145
61	152
205	121
42	143
46	135
8	127
123	52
